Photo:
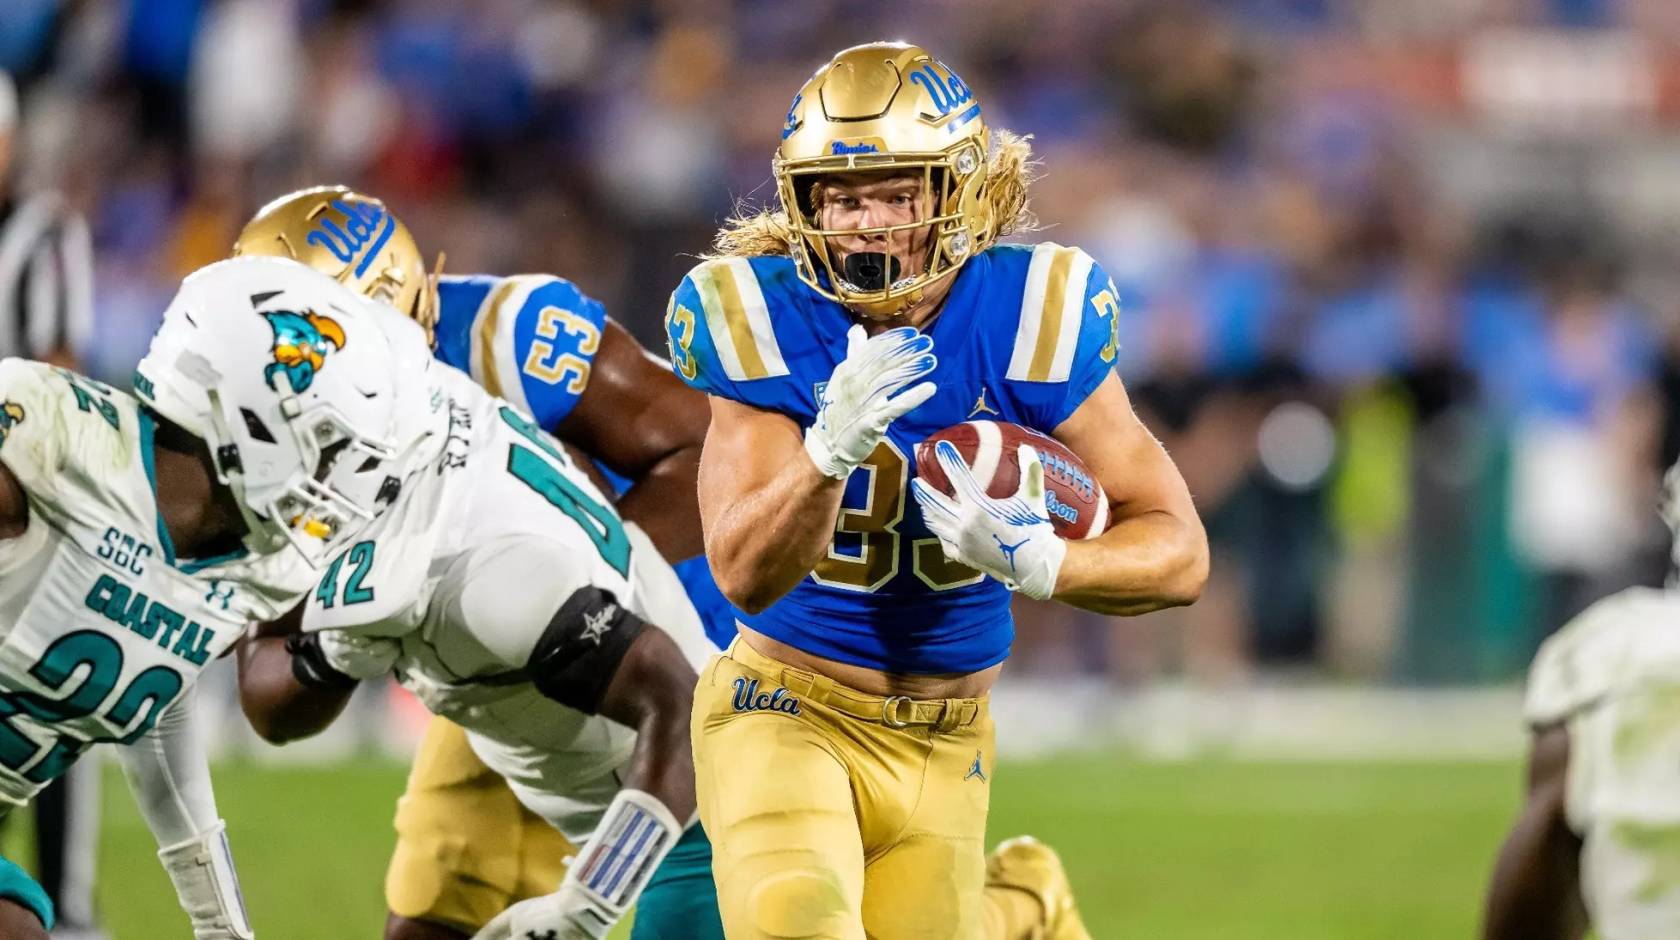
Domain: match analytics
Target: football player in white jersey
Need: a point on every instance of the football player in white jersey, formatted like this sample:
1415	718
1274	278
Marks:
276	415
1598	839
506	592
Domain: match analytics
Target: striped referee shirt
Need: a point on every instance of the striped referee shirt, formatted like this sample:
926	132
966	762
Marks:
46	278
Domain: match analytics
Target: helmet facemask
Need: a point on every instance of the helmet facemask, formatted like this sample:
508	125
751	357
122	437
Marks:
950	207
339	481
316	405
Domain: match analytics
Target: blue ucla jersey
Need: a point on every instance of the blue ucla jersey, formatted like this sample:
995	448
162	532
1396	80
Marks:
1025	335
532	339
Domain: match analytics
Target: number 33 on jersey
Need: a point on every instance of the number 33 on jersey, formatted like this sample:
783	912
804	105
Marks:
1025	335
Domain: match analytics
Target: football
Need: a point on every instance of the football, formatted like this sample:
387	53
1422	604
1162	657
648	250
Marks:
1078	507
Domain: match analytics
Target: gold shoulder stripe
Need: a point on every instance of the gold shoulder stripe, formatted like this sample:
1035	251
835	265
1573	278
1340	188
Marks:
489	321
1048	329
738	320
1050	315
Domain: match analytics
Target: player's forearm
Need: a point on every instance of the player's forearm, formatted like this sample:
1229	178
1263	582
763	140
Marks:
662	502
767	540
280	708
652	690
1144	563
663	762
1534	894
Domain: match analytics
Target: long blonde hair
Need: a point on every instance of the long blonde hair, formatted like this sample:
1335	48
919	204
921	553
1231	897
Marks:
1009	172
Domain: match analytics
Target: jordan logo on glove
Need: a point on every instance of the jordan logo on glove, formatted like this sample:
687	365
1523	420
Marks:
1008	550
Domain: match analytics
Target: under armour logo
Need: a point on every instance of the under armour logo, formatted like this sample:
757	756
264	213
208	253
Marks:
545	935
1008	550
223	595
597	624
980	406
975	770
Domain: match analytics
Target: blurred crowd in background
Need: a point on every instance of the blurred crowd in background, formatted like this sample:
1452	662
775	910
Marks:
1399	277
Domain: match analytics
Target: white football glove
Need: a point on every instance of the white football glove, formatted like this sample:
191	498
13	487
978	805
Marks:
858	402
358	655
603	882
566	914
1010	539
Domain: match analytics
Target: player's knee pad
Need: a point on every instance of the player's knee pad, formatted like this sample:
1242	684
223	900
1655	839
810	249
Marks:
803	903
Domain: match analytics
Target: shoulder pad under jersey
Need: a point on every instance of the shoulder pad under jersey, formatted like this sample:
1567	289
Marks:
1066	332
720	326
1626	638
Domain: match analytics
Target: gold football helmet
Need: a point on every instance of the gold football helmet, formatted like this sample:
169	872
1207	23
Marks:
351	237
886	107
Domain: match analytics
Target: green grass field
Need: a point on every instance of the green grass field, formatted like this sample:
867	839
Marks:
1183	851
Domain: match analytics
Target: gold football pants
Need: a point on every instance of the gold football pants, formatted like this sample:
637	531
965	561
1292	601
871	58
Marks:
466	847
836	814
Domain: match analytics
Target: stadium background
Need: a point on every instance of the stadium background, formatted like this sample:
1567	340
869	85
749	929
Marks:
1400	298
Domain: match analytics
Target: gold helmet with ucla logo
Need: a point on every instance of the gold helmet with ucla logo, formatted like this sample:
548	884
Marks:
350	237
891	108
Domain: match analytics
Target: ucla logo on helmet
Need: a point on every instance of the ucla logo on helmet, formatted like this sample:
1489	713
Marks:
948	94
302	342
790	126
11	415
366	229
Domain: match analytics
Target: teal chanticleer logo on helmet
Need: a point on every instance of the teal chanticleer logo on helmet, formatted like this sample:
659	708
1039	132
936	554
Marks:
11	415
302	343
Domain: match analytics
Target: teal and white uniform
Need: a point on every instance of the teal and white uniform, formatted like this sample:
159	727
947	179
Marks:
103	630
1612	676
467	570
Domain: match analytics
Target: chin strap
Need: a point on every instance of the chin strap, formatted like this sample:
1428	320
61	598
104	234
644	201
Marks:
207	885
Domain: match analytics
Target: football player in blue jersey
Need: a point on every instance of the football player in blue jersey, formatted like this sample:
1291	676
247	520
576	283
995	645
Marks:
466	848
843	746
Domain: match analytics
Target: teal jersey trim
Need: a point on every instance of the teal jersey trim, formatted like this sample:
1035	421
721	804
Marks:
148	425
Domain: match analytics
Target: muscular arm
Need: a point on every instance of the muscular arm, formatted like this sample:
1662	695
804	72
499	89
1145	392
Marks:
652	691
644	423
768	513
1536	888
1155	552
279	707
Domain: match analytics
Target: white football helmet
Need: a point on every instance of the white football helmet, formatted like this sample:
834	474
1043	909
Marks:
317	404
